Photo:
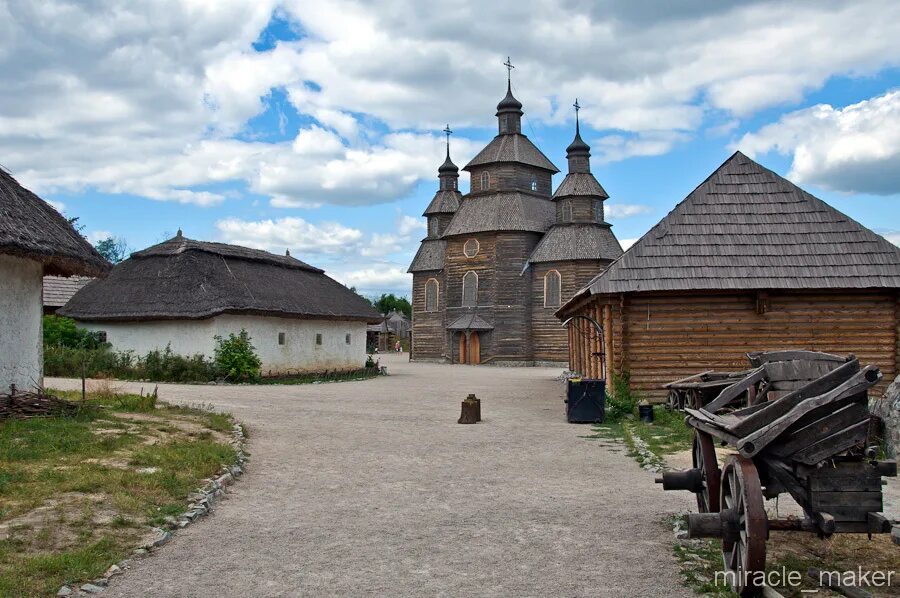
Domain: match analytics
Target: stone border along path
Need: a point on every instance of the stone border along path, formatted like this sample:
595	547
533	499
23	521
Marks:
372	488
201	504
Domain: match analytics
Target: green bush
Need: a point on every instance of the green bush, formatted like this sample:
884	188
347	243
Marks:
62	332
236	358
620	400
102	362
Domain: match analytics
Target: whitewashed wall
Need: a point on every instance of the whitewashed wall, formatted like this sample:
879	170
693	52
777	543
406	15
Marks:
299	353
21	342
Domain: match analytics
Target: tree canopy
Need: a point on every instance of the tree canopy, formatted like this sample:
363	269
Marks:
114	249
389	302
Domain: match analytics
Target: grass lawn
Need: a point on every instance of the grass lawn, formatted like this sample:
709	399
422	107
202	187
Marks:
78	493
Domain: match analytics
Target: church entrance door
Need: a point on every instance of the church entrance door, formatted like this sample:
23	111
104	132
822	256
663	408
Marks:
463	349
474	349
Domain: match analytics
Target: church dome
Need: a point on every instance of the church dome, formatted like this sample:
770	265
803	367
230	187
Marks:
509	103
578	145
448	167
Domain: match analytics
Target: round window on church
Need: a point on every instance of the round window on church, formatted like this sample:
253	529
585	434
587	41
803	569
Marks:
471	248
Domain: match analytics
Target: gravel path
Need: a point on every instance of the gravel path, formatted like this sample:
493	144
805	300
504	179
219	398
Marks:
372	488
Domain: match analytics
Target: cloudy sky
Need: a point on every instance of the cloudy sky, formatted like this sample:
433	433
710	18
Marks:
315	126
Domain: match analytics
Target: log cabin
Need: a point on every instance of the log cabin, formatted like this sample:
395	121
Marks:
747	261
496	262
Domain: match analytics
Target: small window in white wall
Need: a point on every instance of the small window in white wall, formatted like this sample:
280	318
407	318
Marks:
101	336
318	338
347	338
280	338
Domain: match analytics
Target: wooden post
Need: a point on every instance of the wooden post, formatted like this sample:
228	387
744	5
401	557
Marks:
472	397
608	334
469	413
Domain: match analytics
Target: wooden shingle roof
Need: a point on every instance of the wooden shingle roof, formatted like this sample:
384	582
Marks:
580	184
429	257
512	147
59	289
30	228
502	211
445	201
563	242
746	227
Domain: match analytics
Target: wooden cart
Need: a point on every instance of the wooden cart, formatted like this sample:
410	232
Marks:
806	433
697	390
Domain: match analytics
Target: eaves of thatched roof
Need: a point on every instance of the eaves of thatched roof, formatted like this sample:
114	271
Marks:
186	279
30	228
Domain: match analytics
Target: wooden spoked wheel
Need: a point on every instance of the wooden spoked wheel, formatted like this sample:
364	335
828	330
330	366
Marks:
744	537
704	457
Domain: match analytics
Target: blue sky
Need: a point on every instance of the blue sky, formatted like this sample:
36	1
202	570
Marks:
316	126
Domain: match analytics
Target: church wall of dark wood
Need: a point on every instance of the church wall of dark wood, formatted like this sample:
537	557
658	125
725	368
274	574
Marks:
428	327
550	338
508	176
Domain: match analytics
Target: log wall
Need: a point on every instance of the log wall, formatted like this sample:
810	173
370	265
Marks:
550	339
660	337
428	327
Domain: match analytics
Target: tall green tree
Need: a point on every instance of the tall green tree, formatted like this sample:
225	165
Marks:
114	249
389	302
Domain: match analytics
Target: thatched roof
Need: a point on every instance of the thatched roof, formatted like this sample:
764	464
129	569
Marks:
502	211
31	228
429	257
512	147
59	289
185	279
576	241
745	227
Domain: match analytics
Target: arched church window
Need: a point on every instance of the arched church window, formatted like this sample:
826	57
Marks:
470	289
431	295
566	211
485	181
534	183
471	248
432	226
552	291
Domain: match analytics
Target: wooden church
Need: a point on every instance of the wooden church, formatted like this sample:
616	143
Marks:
497	262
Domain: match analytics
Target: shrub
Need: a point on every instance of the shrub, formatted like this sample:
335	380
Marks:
620	400
236	358
62	332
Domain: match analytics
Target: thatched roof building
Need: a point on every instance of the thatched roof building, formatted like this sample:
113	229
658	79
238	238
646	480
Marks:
59	289
186	279
183	293
747	261
32	229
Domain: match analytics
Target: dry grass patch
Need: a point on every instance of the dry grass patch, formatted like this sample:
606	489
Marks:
78	493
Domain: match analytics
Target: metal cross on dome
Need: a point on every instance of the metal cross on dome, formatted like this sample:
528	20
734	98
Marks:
448	132
509	67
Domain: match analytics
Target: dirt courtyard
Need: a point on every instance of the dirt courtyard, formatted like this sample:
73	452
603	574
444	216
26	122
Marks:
372	488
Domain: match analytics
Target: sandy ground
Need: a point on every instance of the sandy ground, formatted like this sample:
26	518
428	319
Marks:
372	488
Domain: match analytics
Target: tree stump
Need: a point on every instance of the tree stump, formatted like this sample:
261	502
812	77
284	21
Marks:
472	397
470	411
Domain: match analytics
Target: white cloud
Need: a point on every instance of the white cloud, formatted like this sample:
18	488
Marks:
300	236
626	243
613	148
57	205
855	149
146	98
407	225
375	279
615	211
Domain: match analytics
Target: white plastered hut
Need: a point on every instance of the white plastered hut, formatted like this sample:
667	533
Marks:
35	240
182	293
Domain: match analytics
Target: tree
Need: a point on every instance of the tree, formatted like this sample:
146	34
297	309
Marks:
114	249
389	302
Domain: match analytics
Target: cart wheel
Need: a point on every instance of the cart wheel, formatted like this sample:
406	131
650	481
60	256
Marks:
704	457
744	544
672	400
694	398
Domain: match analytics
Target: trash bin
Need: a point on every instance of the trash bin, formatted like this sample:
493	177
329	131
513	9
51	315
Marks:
585	401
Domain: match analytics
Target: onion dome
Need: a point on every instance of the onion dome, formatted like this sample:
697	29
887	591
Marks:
448	167
509	103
